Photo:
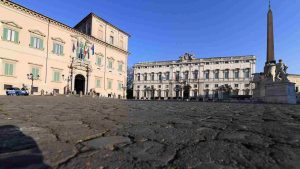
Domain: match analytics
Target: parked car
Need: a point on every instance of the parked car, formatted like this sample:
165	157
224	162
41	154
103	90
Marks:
14	91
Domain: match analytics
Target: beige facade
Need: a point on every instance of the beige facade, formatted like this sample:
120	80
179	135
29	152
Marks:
92	56
295	79
189	77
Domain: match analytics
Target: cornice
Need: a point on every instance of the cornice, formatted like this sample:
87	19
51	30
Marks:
54	22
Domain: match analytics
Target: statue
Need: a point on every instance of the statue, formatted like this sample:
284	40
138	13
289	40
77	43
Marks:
281	71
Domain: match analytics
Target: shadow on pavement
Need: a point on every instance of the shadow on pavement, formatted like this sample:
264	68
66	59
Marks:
18	150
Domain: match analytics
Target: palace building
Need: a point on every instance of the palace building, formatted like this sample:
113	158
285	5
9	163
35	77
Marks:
92	56
192	78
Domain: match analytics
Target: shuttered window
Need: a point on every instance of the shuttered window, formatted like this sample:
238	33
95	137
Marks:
109	84
56	76
58	49
11	35
120	67
8	69
98	83
36	42
98	61
119	86
35	72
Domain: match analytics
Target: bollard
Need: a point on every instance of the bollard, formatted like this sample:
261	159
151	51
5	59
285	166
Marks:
80	94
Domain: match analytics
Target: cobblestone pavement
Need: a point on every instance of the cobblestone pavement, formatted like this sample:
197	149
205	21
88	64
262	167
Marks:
72	132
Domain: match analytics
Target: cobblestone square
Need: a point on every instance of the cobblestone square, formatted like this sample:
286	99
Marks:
73	132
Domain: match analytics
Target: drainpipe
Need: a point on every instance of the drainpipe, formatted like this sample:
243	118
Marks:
46	75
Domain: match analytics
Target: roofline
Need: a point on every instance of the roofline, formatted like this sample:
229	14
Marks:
93	14
48	19
222	57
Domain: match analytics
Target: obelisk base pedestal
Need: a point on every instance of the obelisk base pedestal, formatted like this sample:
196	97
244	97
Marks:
280	92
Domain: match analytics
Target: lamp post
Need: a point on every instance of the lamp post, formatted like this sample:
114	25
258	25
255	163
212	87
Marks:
32	78
68	81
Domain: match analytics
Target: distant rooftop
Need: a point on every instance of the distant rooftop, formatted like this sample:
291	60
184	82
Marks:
198	59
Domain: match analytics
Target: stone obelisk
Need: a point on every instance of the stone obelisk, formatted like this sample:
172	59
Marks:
269	69
270	38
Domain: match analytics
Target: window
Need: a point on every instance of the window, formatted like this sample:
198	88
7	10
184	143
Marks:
109	84
236	74
207	63
35	72
226	74
98	83
36	42
236	85
8	69
138	77
100	34
297	89
236	61
177	76
217	75
120	67
110	64
10	35
159	77
216	85
247	85
138	87
206	74
167	86
247	74
186	75
145	77
168	76
159	86
111	40
152	76
98	60
119	86
196	74
207	85
195	86
56	76
226	62
58	49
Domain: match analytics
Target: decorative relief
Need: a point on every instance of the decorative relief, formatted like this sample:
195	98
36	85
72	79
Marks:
37	32
11	23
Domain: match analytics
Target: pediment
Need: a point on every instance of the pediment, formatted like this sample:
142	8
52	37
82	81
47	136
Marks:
37	32
59	40
99	54
11	23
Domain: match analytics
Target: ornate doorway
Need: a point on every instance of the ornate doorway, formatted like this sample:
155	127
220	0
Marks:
79	83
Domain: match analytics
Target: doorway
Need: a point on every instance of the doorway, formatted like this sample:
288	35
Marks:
79	83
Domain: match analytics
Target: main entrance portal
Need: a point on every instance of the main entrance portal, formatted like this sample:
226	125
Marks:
79	83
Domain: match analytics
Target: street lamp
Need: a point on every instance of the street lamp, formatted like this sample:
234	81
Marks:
67	80
32	78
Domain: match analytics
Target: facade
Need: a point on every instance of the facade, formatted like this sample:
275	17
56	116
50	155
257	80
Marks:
92	56
294	78
192	78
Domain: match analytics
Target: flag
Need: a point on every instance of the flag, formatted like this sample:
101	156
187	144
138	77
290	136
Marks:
93	49
85	49
80	54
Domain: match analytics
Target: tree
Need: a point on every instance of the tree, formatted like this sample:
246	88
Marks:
130	77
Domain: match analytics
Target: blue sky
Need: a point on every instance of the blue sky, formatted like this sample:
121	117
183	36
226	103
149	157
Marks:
165	29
